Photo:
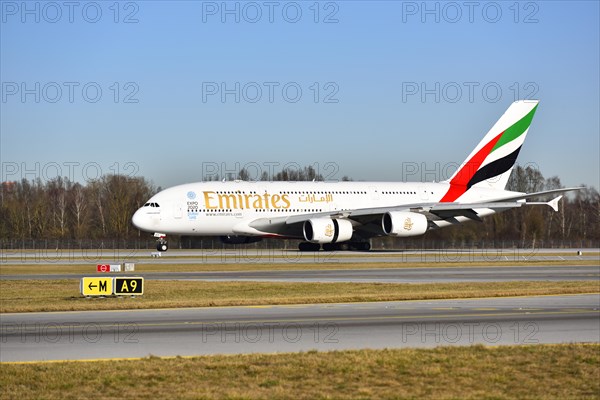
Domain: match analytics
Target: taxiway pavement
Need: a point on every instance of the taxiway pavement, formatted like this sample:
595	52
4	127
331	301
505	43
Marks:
233	330
290	257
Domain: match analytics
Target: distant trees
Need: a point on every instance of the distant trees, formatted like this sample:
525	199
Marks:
102	209
289	174
61	209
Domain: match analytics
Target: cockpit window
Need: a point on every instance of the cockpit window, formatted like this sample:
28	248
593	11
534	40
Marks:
147	205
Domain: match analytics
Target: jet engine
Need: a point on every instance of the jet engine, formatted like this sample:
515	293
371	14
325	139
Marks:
403	223
327	230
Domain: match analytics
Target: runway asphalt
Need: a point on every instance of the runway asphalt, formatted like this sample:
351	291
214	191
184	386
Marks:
233	330
385	275
245	255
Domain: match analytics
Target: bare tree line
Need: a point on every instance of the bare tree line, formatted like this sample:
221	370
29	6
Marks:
307	173
102	209
61	209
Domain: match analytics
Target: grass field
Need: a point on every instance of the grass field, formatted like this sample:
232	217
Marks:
63	295
542	372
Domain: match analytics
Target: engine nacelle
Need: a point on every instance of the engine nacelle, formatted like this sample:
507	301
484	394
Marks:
231	239
404	223
327	230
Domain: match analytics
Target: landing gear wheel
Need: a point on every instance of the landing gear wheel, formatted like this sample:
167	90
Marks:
329	247
360	246
335	246
365	246
307	246
162	245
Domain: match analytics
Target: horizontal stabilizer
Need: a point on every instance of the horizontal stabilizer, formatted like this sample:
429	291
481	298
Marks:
552	203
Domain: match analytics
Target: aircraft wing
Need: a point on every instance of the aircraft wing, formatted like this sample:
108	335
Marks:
367	221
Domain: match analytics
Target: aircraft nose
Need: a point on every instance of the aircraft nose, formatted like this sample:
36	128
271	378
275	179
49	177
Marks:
140	220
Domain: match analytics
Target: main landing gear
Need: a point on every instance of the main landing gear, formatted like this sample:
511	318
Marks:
357	246
360	246
307	246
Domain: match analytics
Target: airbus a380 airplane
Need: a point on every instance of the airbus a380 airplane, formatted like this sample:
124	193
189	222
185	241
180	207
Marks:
332	213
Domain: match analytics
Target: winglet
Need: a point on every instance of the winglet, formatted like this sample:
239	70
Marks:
554	203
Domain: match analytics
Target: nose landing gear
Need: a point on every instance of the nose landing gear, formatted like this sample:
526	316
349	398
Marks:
161	243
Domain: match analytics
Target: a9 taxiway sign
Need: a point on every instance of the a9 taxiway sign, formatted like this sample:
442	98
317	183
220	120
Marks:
129	286
106	286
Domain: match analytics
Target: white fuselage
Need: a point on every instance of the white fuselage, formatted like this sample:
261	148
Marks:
226	208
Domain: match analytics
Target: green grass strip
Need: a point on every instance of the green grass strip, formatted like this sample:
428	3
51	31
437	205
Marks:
506	372
63	295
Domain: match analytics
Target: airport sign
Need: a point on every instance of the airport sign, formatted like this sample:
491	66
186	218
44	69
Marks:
107	286
129	285
92	286
108	268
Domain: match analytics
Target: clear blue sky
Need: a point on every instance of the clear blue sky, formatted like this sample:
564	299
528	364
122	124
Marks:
370	61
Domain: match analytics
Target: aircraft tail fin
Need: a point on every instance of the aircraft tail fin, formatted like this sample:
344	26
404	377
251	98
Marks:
489	165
